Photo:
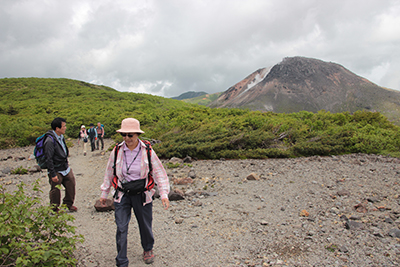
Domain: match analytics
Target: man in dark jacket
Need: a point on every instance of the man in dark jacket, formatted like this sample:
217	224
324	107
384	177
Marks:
59	172
92	136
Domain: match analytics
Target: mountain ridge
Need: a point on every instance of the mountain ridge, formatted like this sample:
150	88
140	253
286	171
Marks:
299	83
188	95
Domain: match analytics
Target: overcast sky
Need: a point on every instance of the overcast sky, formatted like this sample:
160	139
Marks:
168	47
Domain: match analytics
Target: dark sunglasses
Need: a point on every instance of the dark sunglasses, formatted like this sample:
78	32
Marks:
125	134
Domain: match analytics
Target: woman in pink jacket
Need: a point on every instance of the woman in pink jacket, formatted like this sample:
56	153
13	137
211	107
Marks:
131	169
83	135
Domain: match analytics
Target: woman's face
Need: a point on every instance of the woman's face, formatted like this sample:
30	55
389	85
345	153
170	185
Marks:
130	138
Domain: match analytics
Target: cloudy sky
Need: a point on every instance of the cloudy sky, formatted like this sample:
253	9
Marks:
168	47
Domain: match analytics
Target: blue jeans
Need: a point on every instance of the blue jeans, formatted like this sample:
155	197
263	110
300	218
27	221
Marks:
144	217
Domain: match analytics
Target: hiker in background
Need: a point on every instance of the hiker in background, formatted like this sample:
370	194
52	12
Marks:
132	166
100	135
92	136
84	136
58	169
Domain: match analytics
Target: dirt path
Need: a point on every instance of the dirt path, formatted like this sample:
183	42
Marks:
318	211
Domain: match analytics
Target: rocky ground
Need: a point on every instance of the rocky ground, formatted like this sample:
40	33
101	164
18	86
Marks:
317	211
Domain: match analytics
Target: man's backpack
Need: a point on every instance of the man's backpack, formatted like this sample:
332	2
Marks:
39	152
150	183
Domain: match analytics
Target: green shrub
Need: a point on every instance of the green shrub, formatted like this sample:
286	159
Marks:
185	129
32	234
19	170
171	165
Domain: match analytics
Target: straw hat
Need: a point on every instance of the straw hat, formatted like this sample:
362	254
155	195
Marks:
130	125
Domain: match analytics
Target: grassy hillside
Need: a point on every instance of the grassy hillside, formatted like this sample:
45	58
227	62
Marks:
203	100
188	95
28	105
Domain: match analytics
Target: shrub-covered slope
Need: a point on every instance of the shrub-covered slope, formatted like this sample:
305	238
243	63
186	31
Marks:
28	105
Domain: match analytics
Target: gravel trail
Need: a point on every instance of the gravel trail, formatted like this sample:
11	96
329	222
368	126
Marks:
316	211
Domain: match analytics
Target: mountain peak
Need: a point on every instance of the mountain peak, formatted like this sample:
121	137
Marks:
300	83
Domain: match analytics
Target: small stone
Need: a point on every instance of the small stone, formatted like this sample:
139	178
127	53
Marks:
188	159
192	174
304	213
388	220
179	220
361	207
394	233
372	199
342	193
197	203
190	193
355	218
352	225
253	177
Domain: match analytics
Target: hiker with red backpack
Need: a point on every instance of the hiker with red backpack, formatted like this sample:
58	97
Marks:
132	170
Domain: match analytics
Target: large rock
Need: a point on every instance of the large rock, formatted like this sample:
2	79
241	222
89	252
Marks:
175	160
107	207
176	195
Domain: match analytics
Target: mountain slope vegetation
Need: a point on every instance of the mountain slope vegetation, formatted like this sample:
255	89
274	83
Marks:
28	105
190	94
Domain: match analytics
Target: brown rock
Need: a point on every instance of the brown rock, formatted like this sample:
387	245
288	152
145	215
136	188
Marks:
107	207
361	207
179	220
304	213
176	195
253	177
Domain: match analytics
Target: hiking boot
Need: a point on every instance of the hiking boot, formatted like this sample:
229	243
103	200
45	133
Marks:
73	209
148	256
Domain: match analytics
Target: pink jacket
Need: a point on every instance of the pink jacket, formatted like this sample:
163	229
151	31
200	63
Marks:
159	174
83	134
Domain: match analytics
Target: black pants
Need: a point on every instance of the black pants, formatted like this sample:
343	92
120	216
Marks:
144	217
99	138
93	143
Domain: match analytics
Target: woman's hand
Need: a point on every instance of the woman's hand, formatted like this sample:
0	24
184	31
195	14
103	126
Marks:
103	201
165	203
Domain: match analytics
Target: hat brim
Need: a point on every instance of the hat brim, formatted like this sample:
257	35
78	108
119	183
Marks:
127	131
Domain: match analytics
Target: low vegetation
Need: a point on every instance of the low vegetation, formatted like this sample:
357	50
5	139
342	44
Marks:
32	234
28	105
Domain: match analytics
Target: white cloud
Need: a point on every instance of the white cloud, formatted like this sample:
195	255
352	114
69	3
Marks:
170	47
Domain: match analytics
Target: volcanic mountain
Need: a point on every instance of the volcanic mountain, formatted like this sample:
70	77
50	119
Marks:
299	83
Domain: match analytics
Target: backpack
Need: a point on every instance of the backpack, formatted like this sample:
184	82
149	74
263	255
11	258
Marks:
39	152
150	183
